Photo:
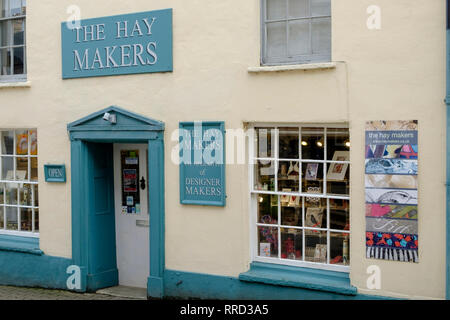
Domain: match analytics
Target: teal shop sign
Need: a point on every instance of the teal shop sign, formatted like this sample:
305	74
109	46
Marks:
202	163
123	44
55	172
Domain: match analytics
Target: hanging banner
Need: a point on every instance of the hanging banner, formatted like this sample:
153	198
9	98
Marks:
391	190
202	163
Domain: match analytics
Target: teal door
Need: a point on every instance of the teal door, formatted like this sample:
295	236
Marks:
102	266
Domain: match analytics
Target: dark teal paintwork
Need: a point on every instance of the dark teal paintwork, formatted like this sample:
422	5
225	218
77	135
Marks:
130	128
306	278
180	284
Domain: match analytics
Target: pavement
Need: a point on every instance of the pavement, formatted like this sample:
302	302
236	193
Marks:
21	293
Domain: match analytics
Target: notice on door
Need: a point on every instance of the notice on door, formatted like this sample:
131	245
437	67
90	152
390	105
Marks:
130	181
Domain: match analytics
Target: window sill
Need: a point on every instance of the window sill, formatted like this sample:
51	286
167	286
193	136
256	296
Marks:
20	244
293	67
17	84
306	278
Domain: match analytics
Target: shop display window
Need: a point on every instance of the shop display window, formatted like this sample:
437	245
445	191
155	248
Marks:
19	203
301	195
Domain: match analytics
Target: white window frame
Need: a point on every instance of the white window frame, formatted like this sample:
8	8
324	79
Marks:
254	245
16	77
19	206
287	59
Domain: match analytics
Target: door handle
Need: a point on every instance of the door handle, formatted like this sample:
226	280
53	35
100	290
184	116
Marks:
142	183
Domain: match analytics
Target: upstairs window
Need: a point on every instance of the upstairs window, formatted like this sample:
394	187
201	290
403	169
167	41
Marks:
296	31
12	40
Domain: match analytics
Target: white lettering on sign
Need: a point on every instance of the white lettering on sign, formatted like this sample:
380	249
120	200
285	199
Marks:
55	173
128	54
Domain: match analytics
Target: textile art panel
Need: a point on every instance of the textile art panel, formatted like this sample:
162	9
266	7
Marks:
391	190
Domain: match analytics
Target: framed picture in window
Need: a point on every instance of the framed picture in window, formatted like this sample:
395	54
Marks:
337	171
311	171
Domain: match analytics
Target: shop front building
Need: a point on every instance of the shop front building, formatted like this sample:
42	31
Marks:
266	149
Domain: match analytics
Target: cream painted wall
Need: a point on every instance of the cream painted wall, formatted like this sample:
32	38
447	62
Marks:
394	73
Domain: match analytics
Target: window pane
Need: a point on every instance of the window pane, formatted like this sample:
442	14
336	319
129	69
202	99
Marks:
15	7
36	196
291	244
339	248
291	215
288	143
321	36
320	7
3	7
276	39
22	169
312	143
299	37
276	9
2	221
5	62
36	220
26	222
5	33
265	142
7	141
11	193
8	168
316	246
2	193
19	66
312	174
21	142
298	8
34	169
267	209
18	31
268	242
25	195
288	176
337	140
265	175
33	138
339	214
338	179
315	213
11	218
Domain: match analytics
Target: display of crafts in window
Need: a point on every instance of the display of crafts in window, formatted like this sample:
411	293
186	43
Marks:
302	213
391	190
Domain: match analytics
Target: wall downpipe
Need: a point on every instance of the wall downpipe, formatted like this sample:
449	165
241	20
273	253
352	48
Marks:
447	101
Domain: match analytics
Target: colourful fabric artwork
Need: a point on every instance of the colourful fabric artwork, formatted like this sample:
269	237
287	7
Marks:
391	190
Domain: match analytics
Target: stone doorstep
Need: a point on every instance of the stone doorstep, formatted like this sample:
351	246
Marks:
125	292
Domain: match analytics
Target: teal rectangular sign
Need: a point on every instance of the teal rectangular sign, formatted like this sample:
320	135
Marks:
123	44
55	172
202	163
